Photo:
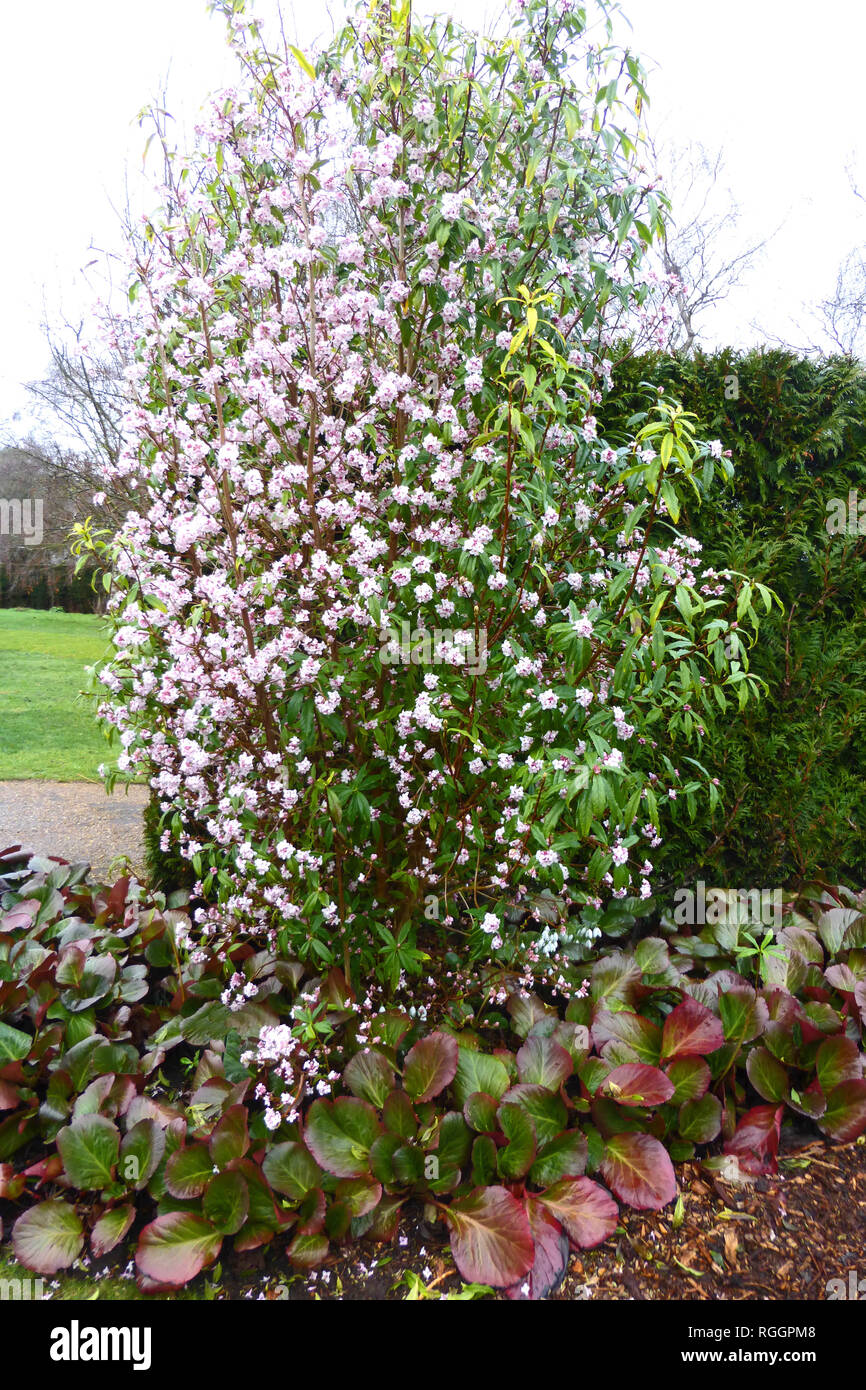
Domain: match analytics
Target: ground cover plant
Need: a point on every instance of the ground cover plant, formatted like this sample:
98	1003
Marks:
46	722
140	1104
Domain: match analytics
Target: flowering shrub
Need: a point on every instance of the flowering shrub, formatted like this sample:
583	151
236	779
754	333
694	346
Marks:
374	331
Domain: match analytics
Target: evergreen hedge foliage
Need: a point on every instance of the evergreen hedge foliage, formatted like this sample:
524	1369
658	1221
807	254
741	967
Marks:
793	766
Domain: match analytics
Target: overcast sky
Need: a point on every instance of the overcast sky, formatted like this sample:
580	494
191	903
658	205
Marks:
776	84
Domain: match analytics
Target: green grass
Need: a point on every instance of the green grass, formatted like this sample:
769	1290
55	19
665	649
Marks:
47	726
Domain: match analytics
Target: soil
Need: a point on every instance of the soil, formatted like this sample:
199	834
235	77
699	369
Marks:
75	821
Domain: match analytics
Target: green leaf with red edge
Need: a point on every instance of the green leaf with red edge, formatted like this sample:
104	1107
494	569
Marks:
638	1169
691	1029
700	1121
845	1116
639	1034
430	1066
812	1102
690	1077
144	1144
755	1142
111	1228
552	1251
226	1202
48	1237
575	1038
491	1240
339	1135
767	1075
370	1076
176	1247
545	1109
587	1213
399	1116
837	1060
743	1013
291	1169
480	1112
89	1149
563	1157
637	1084
483	1161
188	1171
615	977
518	1155
542	1062
307	1251
477	1071
230	1139
360	1194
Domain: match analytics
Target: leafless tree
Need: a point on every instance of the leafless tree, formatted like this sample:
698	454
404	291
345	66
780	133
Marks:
702	246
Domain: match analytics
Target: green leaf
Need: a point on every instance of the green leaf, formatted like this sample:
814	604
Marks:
14	1045
476	1071
292	1170
339	1135
430	1066
226	1202
111	1228
89	1149
518	1155
188	1171
175	1248
48	1237
370	1076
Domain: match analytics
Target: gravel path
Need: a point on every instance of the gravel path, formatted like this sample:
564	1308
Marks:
74	820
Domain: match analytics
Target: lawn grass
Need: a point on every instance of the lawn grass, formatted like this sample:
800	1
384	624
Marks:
47	726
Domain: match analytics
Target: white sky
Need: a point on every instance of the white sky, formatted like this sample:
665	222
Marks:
776	84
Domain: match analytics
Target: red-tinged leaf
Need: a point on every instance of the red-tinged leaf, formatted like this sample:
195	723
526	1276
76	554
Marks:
811	1102
11	1183
691	1030
587	1213
542	1062
188	1172
641	1036
430	1066
638	1169
551	1255
838	1060
860	999
767	1075
691	1078
845	1116
307	1251
755	1141
700	1121
361	1195
175	1248
8	1096
491	1240
230	1139
339	1135
110	1229
636	1084
48	1237
370	1076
